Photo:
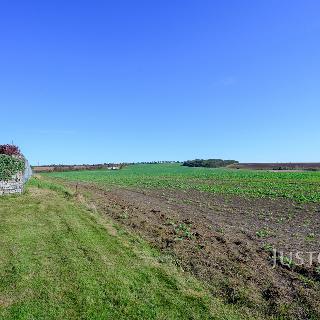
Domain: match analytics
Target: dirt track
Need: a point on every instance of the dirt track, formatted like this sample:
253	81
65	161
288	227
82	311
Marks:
220	240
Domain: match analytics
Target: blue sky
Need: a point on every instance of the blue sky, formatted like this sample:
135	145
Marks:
99	81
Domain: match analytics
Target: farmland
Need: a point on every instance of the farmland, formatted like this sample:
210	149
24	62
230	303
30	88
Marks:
60	168
313	166
298	186
221	226
159	160
161	241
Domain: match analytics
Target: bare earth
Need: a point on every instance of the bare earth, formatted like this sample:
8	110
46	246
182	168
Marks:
226	241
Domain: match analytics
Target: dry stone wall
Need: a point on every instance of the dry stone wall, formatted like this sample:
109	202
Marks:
15	185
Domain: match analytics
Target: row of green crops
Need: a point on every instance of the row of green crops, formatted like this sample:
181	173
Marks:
9	166
299	186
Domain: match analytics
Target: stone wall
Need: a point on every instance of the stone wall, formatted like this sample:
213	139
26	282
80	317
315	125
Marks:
15	185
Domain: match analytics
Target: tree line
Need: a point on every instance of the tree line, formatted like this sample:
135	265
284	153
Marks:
209	163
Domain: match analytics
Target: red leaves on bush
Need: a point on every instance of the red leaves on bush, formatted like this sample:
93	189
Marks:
9	150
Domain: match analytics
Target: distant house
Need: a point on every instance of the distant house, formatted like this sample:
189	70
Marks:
114	168
61	168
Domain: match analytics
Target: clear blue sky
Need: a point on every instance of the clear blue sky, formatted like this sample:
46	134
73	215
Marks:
99	81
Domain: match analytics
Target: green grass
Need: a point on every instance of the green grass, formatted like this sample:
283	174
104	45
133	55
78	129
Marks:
60	260
299	186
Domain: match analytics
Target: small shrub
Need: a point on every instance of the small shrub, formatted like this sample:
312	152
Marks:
9	166
9	150
183	231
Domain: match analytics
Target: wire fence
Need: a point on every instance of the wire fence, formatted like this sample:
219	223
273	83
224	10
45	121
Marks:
27	171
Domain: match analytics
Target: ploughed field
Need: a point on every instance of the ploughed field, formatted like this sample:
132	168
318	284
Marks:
312	166
234	230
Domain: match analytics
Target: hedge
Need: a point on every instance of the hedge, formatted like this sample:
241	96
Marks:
9	166
210	163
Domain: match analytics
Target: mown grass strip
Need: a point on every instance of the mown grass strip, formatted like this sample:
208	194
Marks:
58	260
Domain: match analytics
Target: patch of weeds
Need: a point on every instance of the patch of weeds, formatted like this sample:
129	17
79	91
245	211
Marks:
280	220
268	247
306	222
170	222
318	270
310	237
261	215
234	294
220	230
165	258
124	215
44	184
286	261
307	281
283	310
263	233
183	231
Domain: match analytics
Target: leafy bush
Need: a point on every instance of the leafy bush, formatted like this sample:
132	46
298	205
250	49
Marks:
210	163
9	150
9	166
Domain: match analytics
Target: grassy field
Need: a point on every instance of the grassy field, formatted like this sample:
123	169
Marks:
299	186
62	259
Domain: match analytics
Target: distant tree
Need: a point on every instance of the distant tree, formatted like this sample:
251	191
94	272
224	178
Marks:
209	163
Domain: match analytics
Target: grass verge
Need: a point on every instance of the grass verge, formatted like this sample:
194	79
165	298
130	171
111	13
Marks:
62	260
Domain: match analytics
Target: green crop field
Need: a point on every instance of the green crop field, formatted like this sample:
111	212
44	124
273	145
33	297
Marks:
299	186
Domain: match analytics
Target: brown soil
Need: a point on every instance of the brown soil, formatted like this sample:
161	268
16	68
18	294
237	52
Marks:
223	241
285	166
61	168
